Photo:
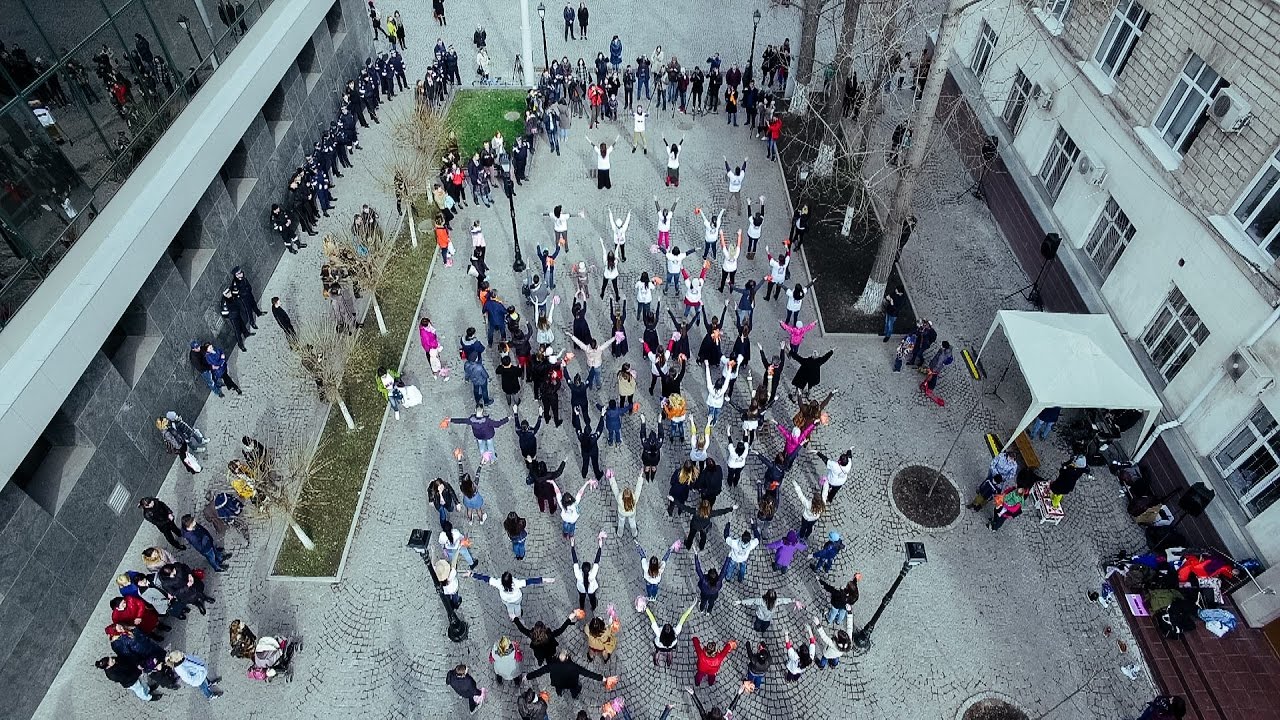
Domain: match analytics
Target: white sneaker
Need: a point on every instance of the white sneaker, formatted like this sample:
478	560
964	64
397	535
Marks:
397	414
1130	671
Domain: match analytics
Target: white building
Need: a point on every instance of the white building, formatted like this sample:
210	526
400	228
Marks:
1147	135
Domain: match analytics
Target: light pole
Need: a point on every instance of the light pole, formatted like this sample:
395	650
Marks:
419	542
185	24
542	15
508	186
915	556
755	25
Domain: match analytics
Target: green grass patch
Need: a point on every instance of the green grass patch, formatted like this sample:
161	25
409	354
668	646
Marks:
329	519
476	114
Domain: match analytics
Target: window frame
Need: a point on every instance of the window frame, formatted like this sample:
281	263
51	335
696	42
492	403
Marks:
1110	236
1017	101
1062	146
1264	195
1261	441
1170	315
1181	96
1057	9
984	50
1132	29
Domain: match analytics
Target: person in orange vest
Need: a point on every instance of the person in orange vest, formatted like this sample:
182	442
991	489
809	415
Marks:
442	242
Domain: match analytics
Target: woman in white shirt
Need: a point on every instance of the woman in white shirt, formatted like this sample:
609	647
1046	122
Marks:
675	264
673	162
666	637
644	295
587	574
652	568
715	395
620	226
799	659
628	501
511	589
736	454
777	273
833	650
795	301
729	260
811	508
569	510
711	231
664	222
609	271
754	228
604	152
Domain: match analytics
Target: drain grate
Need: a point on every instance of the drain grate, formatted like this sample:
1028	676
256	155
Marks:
119	498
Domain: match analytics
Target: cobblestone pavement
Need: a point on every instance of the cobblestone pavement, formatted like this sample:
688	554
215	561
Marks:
1002	612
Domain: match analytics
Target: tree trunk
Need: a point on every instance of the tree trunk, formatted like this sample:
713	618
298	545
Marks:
346	414
301	534
413	226
824	164
921	129
804	63
377	313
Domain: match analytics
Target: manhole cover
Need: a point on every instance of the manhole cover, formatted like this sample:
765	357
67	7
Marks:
511	116
993	709
926	497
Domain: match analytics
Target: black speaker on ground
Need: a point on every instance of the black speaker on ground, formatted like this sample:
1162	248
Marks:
1049	246
1196	499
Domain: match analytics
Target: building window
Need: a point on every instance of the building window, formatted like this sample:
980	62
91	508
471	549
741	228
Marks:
1057	9
1186	110
1110	236
1015	106
1250	461
1258	212
1174	335
1062	156
982	52
1127	21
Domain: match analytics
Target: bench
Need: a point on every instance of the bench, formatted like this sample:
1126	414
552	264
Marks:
1029	457
1043	499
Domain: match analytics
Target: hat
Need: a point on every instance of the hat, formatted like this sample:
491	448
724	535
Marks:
833	536
195	344
171	416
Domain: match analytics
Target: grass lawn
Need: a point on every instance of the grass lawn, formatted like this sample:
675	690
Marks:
349	452
476	114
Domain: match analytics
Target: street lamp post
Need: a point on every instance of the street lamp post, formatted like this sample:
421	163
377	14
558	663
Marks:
508	187
542	15
419	542
915	556
185	24
755	17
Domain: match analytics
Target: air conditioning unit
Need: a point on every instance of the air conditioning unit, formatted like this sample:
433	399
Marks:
1042	98
1248	373
1230	110
1093	172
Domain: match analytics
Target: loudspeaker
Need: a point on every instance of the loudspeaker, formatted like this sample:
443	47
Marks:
1196	499
1049	246
990	148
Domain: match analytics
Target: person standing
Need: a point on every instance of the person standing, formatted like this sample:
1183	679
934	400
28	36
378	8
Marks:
638	118
583	17
1008	505
739	552
1002	471
239	322
126	673
710	658
431	345
615	54
894	303
157	513
201	365
437	10
764	608
1068	475
202	541
460	681
709	584
735	178
455	543
775	134
1044	423
505	656
483	429
666	636
193	671
511	589
603	161
284	321
586	574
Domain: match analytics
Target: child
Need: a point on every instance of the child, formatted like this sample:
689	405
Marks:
796	333
905	349
826	556
786	549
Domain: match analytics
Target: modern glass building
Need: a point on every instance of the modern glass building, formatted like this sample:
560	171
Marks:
142	143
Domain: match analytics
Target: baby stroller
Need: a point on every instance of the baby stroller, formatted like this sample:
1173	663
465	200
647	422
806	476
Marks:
272	656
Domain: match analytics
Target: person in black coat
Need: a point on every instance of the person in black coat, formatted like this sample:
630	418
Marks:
565	675
127	674
509	376
233	310
809	374
157	513
588	443
650	450
528	438
542	639
248	301
177	580
283	320
544	489
1068	475
460	681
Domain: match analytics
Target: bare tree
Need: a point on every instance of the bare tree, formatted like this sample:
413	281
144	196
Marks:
417	135
281	480
811	14
368	266
322	351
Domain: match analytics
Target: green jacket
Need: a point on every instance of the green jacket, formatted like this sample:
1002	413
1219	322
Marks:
377	379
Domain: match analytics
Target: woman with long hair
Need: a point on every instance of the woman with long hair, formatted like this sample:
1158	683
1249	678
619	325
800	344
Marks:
603	157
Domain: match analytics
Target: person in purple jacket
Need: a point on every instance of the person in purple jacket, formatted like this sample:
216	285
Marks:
786	549
483	429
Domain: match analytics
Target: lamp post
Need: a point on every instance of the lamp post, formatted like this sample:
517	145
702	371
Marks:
419	542
508	187
755	25
915	556
542	15
185	24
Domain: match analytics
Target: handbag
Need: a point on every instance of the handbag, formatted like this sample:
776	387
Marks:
191	462
412	396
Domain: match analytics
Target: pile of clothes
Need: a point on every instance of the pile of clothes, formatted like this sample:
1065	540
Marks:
1180	587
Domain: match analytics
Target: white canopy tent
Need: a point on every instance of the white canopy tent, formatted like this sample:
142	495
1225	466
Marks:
1074	361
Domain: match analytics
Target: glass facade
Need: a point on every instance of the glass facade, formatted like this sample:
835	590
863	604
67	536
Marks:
85	92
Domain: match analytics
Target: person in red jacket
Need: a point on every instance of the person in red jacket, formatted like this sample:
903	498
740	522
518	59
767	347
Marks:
775	132
709	660
133	611
595	95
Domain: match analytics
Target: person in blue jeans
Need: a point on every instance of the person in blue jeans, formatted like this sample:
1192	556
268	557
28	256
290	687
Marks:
826	555
842	598
653	568
202	367
202	541
516	528
475	373
483	430
441	494
496	314
455	543
1043	425
740	549
893	303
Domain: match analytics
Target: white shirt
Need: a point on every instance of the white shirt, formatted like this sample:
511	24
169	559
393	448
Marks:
570	513
477	238
735	181
516	593
588	584
610	273
715	398
619	231
674	262
792	303
693	290
837	474
729	258
806	508
644	571
638	119
754	230
451	584
635	495
711	231
644	292
602	161
740	551
664	223
778	268
793	657
192	671
560	223
451	543
734	460
673	160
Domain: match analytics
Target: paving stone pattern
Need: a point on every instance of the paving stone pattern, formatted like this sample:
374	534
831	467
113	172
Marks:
1001	612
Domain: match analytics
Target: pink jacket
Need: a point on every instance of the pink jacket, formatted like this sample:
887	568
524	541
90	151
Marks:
796	334
429	340
792	443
